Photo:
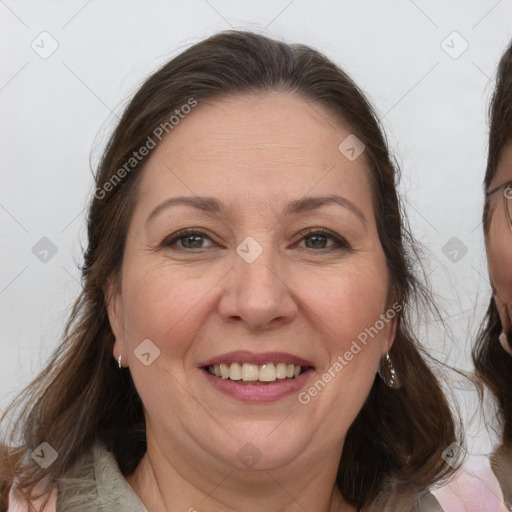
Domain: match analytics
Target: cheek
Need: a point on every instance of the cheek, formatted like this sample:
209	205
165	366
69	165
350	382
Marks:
349	312
164	305
354	334
357	296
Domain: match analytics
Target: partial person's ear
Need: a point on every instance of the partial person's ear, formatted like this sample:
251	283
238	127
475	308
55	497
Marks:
391	314
505	343
392	333
113	301
505	336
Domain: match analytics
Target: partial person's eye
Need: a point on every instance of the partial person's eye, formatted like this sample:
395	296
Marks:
319	237
193	239
189	238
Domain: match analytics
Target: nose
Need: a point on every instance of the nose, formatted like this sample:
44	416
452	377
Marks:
260	293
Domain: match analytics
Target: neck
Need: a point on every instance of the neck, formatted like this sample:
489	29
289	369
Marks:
166	482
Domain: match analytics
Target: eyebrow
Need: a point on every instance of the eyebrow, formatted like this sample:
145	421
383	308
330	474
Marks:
305	204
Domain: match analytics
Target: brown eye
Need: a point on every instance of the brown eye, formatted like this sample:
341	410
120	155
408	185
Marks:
189	239
319	239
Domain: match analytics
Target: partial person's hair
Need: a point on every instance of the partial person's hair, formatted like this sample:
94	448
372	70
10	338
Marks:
492	364
81	394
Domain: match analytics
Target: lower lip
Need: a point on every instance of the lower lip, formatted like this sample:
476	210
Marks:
271	392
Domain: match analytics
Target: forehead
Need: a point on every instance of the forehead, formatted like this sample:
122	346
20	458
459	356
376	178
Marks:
273	143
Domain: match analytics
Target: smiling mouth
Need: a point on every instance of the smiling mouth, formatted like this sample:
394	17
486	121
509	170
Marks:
246	373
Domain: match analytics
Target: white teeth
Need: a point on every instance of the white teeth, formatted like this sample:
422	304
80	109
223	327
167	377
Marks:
249	372
268	372
281	371
224	371
235	371
252	372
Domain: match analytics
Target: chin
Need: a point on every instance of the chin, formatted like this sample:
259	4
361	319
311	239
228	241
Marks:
265	445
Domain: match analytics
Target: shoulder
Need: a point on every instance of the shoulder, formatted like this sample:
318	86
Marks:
97	483
472	487
94	482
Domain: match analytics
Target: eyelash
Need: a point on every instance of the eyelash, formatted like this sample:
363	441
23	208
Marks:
171	240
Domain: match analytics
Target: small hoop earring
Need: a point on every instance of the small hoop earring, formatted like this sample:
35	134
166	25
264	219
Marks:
119	360
388	373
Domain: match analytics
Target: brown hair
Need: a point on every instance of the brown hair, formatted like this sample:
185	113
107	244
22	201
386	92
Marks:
81	395
492	364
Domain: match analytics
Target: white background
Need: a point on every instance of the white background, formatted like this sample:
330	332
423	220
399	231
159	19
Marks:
56	113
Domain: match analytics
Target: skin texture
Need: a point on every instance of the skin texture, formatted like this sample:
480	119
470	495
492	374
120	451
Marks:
255	154
499	244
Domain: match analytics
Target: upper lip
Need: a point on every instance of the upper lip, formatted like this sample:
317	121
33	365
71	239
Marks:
244	356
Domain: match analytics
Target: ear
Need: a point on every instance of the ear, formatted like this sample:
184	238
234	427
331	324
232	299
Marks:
115	310
391	333
391	327
505	343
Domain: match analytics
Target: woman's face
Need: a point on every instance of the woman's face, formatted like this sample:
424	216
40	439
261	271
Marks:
248	286
499	243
